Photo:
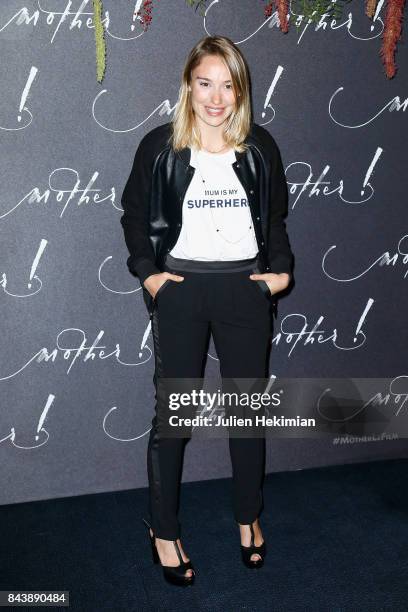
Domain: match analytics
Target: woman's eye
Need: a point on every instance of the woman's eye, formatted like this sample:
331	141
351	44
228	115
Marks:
205	83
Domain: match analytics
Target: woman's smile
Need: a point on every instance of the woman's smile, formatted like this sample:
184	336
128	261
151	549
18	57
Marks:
214	112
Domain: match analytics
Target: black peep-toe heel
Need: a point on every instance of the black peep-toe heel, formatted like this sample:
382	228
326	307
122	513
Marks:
174	575
248	551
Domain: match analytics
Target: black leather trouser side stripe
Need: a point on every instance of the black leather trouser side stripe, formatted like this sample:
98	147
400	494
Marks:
164	481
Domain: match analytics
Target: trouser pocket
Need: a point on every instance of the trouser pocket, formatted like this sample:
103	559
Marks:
151	302
164	287
260	285
161	288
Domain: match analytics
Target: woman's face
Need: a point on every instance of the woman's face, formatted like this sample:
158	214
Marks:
212	96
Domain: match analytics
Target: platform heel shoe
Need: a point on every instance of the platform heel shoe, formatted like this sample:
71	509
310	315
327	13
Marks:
174	575
248	551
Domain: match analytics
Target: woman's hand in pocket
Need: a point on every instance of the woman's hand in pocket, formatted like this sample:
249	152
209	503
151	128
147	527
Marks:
153	282
275	282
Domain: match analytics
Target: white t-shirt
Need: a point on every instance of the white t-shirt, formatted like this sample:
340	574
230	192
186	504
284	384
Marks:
218	204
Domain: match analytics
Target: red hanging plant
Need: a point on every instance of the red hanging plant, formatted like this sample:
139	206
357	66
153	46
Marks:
283	9
391	34
145	13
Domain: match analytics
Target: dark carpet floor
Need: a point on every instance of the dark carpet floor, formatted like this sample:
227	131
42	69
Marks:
337	540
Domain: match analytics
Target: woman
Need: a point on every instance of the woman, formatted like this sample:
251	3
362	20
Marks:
203	222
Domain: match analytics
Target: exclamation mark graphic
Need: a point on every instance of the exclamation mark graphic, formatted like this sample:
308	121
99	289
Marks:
145	336
377	11
362	319
135	13
279	71
26	90
35	263
44	413
371	167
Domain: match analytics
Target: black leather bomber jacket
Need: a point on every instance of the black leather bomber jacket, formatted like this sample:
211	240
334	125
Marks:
154	192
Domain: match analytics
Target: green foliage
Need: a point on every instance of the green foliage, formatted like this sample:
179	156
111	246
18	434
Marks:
99	41
308	9
313	10
198	4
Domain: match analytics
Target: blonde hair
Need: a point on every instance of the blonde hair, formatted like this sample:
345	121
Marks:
184	131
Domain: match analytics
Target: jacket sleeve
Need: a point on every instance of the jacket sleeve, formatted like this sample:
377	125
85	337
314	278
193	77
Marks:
279	252
135	219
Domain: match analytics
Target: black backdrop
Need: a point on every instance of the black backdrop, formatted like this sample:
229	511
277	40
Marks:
76	366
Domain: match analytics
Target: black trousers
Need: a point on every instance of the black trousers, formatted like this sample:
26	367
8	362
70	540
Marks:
216	297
